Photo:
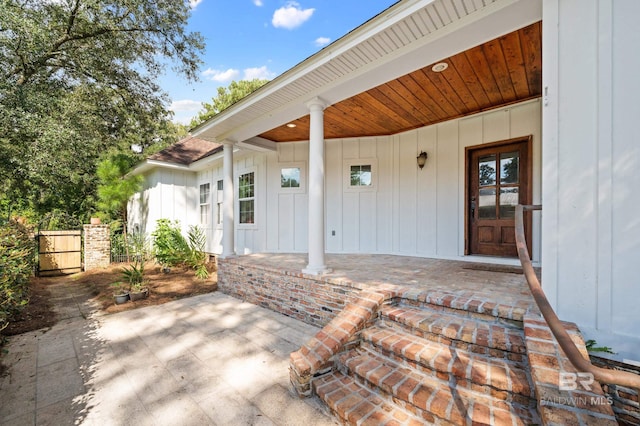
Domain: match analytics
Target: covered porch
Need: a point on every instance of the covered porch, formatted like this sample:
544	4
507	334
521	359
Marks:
274	280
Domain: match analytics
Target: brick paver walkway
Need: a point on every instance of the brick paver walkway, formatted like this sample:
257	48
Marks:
206	360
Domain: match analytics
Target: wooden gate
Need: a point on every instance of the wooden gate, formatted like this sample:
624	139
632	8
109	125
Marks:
59	252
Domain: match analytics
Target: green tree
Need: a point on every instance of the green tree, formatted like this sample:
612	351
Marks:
116	188
226	97
77	79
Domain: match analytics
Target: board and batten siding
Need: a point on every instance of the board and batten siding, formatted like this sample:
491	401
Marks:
591	161
166	194
408	211
249	238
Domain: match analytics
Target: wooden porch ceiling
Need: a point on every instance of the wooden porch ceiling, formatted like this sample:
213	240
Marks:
497	73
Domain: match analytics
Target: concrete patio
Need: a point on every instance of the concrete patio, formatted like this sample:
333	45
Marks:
210	359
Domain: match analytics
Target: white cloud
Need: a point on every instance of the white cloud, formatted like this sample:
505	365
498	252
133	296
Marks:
194	3
322	41
220	76
291	16
262	73
258	2
185	105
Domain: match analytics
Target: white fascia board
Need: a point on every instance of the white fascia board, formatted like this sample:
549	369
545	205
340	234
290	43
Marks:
193	167
258	144
152	164
204	163
140	169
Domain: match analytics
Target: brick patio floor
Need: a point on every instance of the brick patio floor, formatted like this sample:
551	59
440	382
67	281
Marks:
471	280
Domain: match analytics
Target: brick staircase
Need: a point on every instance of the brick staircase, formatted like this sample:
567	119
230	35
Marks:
416	358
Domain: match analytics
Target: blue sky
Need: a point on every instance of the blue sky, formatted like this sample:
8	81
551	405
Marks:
248	39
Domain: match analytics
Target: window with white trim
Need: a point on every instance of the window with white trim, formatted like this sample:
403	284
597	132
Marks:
205	203
360	175
220	200
246	198
290	177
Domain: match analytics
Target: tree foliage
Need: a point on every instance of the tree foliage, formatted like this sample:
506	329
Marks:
116	187
17	260
226	97
77	79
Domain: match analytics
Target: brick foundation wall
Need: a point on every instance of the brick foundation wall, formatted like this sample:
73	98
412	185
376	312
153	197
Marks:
97	246
626	405
313	300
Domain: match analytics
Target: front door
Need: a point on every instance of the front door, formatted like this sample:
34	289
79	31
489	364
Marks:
498	180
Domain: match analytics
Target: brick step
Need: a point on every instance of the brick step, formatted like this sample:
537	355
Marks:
474	306
430	398
494	338
355	404
492	376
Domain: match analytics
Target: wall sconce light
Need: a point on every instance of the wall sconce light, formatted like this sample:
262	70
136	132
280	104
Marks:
422	159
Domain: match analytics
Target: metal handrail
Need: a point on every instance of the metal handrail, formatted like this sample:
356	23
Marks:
602	375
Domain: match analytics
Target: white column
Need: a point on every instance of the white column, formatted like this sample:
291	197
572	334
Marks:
228	203
316	264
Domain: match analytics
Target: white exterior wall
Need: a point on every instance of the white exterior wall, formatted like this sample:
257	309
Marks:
591	163
248	238
411	211
166	194
408	211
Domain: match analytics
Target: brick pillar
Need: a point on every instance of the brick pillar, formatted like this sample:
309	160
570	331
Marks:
97	246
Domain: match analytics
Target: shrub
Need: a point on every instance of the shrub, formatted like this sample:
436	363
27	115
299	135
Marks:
171	248
197	259
17	261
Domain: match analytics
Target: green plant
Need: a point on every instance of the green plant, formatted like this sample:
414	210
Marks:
197	257
171	248
17	261
134	273
591	347
119	288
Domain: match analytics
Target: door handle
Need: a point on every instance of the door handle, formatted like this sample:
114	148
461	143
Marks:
473	206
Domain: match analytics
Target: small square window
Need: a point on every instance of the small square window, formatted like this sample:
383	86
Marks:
290	177
361	175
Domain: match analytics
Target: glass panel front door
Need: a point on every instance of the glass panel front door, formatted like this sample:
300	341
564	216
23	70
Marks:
498	182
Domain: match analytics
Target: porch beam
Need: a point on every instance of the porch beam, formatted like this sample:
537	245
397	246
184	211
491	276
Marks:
316	248
228	203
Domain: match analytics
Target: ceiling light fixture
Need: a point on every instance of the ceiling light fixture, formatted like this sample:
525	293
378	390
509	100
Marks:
291	125
439	67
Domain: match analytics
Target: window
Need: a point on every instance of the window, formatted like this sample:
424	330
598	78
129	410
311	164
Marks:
205	203
246	197
220	200
290	177
361	175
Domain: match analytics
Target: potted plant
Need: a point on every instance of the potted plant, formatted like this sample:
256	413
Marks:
134	273
120	293
138	291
